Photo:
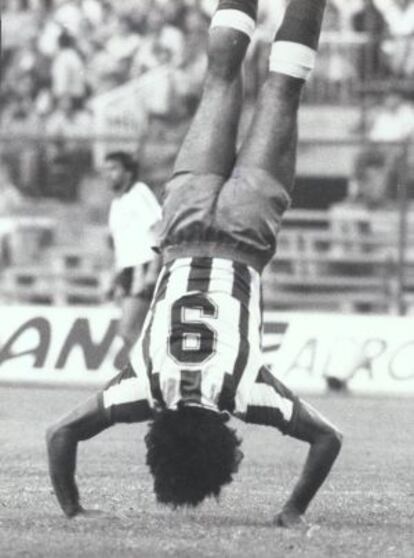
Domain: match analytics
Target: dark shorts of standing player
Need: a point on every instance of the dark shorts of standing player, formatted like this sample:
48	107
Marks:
130	283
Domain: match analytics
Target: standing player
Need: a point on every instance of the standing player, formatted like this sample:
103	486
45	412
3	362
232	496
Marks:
133	214
198	360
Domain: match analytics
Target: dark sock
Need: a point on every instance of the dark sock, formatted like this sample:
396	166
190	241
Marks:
249	7
302	22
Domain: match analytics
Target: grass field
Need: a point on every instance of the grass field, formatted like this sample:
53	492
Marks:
365	509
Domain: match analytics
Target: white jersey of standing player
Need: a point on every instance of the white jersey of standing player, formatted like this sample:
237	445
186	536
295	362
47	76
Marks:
132	218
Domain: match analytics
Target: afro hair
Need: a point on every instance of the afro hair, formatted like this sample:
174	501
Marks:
191	454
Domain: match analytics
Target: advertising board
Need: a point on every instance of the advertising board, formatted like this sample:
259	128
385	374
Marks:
308	352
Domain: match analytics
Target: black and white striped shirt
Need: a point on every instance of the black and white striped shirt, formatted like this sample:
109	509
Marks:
201	341
201	345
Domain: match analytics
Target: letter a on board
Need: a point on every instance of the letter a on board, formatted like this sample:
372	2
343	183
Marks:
39	351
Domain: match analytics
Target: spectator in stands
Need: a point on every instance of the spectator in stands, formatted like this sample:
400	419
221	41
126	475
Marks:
68	148
335	68
103	71
10	197
333	19
26	62
372	179
23	152
70	16
370	21
17	115
189	77
133	214
109	59
174	13
162	44
392	118
163	48
10	202
16	17
364	215
69	120
400	49
48	35
68	71
102	26
124	41
94	11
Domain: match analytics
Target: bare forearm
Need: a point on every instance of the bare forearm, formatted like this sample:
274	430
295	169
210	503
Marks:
62	443
325	442
62	448
82	423
321	457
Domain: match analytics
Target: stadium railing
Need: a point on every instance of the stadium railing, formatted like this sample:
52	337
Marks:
346	63
315	266
311	271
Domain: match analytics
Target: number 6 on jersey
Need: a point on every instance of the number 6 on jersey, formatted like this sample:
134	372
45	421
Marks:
192	341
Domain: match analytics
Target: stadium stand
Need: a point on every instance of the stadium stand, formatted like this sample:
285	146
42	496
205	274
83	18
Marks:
77	55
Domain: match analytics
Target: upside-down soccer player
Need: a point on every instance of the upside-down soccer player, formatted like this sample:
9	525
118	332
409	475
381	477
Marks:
198	359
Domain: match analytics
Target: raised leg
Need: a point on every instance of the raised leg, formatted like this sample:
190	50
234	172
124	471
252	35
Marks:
270	143
210	143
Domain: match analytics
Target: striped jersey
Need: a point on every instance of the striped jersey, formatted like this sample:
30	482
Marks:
201	341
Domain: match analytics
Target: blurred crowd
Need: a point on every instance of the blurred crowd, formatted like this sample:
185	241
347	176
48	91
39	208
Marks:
71	50
60	54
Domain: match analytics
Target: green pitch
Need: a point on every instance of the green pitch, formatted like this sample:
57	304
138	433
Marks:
366	508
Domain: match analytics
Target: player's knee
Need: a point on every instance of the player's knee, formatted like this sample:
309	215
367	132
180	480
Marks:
226	51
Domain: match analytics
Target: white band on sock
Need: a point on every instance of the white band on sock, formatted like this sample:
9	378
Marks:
292	59
234	19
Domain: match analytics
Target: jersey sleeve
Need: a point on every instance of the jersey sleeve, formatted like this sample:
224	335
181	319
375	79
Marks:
126	398
271	403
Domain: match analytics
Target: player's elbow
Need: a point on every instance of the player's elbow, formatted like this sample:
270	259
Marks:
50	435
334	438
53	434
329	441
